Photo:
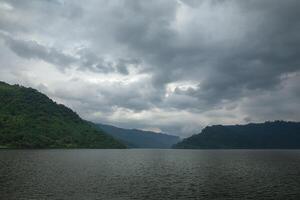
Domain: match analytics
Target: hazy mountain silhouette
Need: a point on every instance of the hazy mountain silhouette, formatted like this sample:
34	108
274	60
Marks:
140	139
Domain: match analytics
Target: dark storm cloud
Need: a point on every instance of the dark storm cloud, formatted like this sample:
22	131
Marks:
84	59
229	68
219	61
34	50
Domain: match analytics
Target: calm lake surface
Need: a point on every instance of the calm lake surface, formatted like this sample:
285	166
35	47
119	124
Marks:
149	174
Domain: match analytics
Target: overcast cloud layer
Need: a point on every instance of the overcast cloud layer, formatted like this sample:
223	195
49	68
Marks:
163	65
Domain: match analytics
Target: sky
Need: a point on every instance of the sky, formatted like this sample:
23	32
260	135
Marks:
172	66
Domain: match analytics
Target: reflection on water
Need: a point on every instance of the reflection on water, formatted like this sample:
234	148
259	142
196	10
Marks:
149	174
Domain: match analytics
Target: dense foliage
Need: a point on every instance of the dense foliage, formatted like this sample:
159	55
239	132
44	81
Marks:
268	135
140	139
29	119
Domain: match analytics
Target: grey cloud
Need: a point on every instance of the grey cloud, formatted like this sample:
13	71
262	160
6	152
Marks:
90	61
281	103
269	50
33	50
84	59
105	97
124	64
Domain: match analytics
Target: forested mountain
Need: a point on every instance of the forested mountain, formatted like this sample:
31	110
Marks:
134	138
29	119
268	135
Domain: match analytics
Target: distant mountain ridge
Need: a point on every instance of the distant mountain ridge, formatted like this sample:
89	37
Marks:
29	119
134	138
268	135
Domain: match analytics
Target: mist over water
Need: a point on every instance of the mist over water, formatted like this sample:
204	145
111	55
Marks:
149	174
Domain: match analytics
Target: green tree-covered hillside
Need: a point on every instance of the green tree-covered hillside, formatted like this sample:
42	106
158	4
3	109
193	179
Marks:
29	119
268	135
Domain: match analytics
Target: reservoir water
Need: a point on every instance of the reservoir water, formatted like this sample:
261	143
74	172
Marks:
86	174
